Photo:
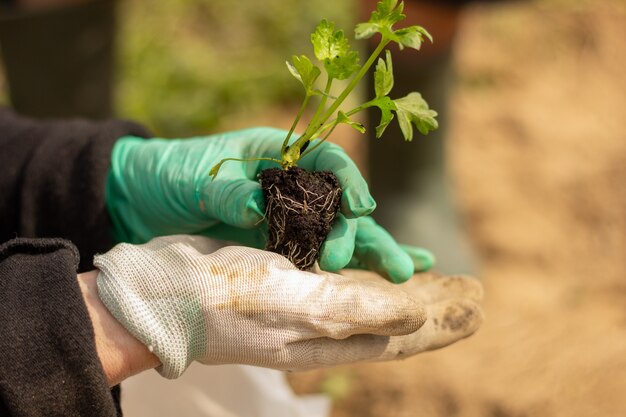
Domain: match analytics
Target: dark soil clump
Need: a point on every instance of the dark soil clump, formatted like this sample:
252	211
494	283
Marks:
300	209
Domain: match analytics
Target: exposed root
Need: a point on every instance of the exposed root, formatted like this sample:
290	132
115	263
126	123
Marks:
280	209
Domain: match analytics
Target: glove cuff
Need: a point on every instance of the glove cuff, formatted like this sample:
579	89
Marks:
117	198
147	312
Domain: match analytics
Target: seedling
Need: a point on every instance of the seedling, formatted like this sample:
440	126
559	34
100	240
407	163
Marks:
300	214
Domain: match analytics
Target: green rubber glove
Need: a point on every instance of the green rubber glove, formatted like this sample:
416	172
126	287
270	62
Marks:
376	250
162	186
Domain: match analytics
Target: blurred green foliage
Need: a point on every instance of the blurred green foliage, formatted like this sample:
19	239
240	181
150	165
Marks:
337	384
184	65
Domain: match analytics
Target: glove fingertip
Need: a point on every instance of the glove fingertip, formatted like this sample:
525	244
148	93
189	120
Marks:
333	257
237	202
357	204
408	318
256	203
400	269
251	211
423	259
338	248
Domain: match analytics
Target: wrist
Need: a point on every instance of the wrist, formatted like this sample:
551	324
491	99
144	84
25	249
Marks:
120	353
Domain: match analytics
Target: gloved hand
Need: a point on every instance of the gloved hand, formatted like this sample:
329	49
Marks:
160	187
376	250
188	302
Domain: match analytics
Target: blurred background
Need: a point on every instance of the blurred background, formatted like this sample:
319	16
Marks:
536	153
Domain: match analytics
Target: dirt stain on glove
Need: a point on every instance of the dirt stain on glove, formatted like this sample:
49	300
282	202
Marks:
458	318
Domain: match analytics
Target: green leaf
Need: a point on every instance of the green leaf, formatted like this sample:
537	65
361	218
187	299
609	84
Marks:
424	32
304	71
216	169
324	46
414	109
383	76
365	30
387	13
411	37
331	47
386	106
343	118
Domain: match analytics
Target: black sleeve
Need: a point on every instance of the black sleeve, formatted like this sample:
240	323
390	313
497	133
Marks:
53	176
48	360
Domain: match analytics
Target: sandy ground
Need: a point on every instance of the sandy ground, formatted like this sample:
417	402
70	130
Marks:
538	154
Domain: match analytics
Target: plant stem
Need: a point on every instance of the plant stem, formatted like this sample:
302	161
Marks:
320	141
349	113
308	134
361	107
217	167
322	104
356	79
295	123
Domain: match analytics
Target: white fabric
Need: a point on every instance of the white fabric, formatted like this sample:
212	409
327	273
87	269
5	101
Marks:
188	301
219	391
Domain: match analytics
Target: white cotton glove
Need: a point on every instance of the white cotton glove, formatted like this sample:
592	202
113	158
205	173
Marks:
188	301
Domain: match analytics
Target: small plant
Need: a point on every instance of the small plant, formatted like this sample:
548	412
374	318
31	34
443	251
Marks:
300	205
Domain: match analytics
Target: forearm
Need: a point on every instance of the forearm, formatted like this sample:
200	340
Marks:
121	354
